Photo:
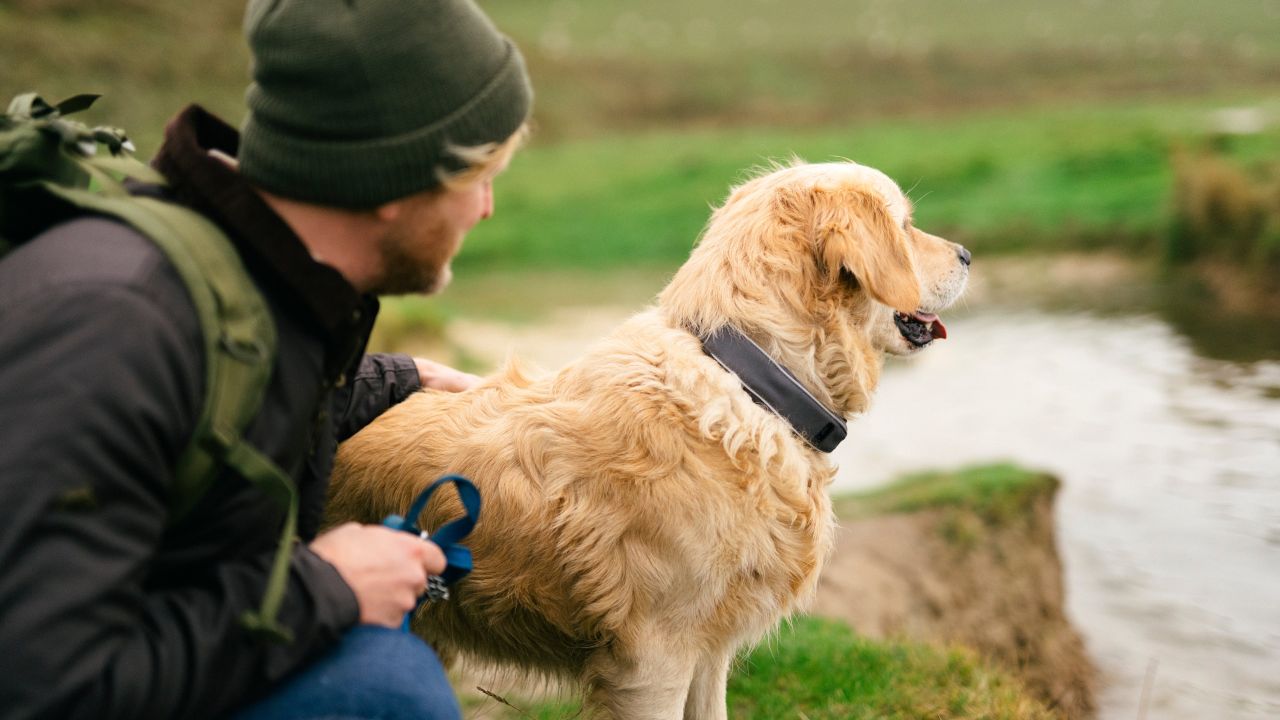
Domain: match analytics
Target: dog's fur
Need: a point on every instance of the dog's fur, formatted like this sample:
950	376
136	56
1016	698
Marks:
643	517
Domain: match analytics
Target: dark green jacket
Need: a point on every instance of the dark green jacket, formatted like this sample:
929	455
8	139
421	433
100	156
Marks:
105	610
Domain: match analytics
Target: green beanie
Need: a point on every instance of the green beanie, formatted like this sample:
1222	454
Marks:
354	103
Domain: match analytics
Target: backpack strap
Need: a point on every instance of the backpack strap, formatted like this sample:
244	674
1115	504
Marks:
240	348
50	171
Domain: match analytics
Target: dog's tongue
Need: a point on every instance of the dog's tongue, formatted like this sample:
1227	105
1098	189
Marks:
936	329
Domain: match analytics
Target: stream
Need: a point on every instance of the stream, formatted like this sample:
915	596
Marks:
1169	514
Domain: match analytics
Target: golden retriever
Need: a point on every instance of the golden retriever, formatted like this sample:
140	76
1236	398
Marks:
644	518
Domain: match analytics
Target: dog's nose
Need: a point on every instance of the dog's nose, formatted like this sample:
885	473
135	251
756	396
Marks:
965	257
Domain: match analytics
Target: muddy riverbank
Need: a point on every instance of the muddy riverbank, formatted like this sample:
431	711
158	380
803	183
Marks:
950	573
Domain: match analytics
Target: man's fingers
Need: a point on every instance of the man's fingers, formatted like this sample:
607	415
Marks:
385	568
437	376
427	554
432	557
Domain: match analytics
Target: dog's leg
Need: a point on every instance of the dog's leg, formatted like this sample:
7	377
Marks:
651	688
707	692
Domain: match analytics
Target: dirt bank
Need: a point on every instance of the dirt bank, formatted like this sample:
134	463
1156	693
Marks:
962	574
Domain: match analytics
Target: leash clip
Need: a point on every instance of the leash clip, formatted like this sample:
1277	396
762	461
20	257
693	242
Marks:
448	537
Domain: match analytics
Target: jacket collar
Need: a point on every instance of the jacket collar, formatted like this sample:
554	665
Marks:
269	246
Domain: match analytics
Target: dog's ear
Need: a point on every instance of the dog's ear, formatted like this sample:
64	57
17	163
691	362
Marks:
854	230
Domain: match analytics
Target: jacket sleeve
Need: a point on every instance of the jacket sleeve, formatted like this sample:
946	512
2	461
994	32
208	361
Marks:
381	381
95	407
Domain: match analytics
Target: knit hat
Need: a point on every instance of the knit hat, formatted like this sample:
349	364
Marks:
354	103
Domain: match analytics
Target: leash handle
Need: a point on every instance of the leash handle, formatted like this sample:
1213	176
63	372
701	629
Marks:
447	536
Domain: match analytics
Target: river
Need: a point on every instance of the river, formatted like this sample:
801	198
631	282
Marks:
1169	514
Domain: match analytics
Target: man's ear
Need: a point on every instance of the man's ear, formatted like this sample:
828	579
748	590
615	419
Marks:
853	230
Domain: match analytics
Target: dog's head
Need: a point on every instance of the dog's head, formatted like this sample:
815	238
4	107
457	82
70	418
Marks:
821	265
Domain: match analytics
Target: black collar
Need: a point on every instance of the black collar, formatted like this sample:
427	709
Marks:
774	387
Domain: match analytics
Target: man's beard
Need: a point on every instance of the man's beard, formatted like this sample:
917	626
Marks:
403	273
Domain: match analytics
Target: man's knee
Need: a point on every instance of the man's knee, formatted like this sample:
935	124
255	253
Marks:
374	673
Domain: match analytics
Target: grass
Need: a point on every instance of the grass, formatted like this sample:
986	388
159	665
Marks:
1017	124
996	493
1226	211
409	320
820	670
1044	179
148	59
670	30
604	67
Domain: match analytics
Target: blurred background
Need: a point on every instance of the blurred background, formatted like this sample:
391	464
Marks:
1114	165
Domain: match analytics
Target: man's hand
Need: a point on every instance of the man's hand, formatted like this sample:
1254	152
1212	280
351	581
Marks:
442	377
387	569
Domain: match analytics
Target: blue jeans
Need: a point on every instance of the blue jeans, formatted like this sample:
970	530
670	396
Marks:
375	673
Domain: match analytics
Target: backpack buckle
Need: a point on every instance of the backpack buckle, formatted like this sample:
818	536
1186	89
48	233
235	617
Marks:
246	350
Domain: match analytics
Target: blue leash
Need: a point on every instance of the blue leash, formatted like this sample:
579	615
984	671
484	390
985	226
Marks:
458	557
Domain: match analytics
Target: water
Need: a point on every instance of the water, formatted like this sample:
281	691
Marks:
1169	513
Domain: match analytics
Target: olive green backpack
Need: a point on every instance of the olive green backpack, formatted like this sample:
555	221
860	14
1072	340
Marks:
51	171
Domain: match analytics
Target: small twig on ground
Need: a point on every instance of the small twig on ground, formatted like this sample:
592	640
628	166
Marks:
504	701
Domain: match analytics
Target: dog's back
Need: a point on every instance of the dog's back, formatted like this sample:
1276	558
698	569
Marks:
636	494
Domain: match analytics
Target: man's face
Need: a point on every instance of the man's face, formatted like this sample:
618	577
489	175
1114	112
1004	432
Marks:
419	244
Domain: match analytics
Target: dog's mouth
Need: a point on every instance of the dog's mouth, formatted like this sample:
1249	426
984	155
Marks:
920	328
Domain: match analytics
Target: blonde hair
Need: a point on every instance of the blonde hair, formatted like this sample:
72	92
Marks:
482	161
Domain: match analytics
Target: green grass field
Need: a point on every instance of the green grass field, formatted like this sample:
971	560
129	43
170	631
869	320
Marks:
1057	178
1015	125
820	670
604	66
609	64
995	493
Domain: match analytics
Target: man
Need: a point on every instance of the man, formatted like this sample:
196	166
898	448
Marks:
375	128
